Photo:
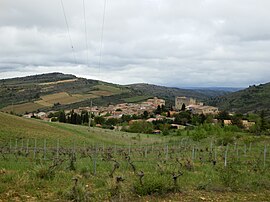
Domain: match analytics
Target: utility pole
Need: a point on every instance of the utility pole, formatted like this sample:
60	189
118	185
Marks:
90	116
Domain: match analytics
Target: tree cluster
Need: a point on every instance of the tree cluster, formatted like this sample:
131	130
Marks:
73	117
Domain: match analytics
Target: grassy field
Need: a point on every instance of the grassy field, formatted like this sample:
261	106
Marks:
22	108
102	93
62	98
57	82
112	89
13	127
103	165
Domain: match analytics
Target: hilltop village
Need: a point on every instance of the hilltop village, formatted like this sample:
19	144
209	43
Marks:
187	112
150	106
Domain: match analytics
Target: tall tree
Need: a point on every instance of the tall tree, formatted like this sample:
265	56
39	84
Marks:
145	114
183	108
158	110
62	116
182	118
73	117
263	124
78	119
85	117
99	120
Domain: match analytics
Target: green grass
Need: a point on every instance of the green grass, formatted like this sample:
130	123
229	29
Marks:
13	127
239	181
22	108
33	177
110	88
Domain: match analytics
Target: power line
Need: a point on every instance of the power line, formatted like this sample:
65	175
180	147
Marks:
101	38
86	39
72	47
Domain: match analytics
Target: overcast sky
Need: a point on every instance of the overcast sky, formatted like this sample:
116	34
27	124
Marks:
167	42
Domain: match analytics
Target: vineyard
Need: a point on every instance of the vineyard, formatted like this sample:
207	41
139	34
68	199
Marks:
83	172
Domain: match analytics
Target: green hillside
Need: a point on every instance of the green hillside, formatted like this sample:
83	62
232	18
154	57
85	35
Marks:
87	165
56	91
13	127
45	91
253	99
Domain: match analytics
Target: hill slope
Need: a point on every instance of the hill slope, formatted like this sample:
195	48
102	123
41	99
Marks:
252	99
56	91
48	90
14	127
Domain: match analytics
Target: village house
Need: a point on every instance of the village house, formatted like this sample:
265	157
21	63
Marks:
156	102
172	113
227	122
41	115
247	124
201	109
153	119
30	115
177	126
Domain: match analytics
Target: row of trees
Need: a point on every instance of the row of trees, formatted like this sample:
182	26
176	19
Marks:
72	117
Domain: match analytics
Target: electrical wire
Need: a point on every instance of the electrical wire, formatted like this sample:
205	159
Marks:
101	38
86	38
68	31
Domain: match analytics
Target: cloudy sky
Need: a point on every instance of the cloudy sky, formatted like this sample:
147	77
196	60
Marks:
167	42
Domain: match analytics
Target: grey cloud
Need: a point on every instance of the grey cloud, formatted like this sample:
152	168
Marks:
167	42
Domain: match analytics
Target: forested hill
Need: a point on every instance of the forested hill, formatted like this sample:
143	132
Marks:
253	99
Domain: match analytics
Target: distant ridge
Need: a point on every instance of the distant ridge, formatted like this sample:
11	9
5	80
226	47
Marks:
42	77
225	89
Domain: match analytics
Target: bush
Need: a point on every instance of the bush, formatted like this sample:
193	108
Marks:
165	132
230	176
226	139
154	185
54	119
199	135
78	193
43	172
232	128
85	172
141	127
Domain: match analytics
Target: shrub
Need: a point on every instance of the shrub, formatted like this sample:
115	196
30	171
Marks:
78	193
141	127
198	135
232	128
179	133
165	132
228	138
43	172
230	176
154	185
85	172
54	119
